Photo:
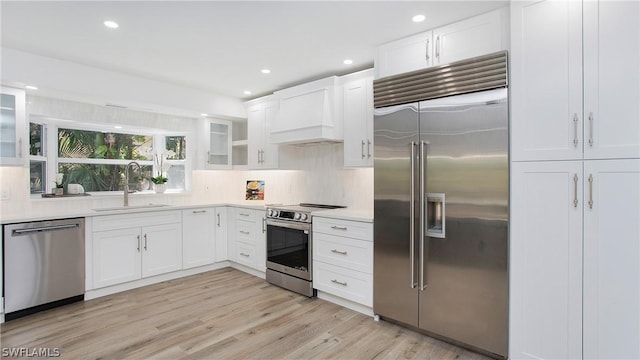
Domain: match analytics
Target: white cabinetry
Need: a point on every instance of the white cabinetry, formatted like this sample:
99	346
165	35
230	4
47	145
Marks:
550	120
575	278
247	244
611	259
133	246
198	237
546	261
262	153
479	35
357	92
221	234
12	126
343	259
219	141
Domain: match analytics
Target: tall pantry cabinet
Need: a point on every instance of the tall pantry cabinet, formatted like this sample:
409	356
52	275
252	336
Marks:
575	151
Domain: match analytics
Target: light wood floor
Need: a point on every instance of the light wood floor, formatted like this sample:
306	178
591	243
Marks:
223	314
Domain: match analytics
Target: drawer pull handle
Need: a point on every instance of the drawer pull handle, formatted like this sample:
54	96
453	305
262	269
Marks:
339	282
244	214
336	251
245	255
339	227
244	232
199	211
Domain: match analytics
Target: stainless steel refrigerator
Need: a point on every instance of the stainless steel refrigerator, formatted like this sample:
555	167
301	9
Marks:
441	194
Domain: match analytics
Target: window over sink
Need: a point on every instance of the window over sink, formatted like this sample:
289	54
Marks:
96	156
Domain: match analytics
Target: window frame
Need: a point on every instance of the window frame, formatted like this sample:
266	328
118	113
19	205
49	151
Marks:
158	136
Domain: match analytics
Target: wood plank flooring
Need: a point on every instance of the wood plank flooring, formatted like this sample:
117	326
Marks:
222	314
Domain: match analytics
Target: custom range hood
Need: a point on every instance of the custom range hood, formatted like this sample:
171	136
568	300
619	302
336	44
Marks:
308	113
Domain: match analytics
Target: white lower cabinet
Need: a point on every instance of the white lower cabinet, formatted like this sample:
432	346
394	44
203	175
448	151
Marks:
343	259
221	234
134	246
198	237
247	241
575	255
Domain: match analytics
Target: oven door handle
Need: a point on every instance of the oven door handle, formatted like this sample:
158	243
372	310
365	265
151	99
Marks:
288	225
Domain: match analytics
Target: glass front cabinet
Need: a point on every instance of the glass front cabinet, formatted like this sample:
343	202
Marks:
12	126
220	143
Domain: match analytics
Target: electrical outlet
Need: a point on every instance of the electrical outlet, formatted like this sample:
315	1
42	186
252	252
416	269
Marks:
5	194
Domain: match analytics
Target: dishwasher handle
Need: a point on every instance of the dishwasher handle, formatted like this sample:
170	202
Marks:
15	232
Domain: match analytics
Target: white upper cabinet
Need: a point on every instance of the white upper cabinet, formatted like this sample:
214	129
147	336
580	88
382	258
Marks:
479	35
262	153
469	38
549	119
404	55
357	92
612	259
611	79
219	137
13	126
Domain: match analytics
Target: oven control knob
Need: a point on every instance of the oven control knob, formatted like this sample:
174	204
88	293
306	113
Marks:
275	213
269	213
297	216
303	217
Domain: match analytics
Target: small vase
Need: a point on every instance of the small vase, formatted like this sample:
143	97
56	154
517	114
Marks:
160	188
57	191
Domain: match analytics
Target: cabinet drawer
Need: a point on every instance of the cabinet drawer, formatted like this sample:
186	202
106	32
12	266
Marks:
346	228
246	255
245	232
351	285
245	214
345	252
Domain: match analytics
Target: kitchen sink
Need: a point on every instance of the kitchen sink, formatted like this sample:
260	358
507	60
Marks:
132	207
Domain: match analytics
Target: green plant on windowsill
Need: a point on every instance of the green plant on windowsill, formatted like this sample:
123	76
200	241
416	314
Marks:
159	179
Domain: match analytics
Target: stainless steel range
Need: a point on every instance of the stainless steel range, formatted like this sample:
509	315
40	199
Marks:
289	246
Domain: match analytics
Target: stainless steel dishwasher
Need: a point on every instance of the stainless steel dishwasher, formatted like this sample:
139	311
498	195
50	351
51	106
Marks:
43	265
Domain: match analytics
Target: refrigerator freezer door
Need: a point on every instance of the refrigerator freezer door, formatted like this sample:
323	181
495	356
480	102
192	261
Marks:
395	271
465	270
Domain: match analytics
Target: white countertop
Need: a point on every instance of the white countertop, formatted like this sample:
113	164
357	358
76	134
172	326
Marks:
70	212
345	214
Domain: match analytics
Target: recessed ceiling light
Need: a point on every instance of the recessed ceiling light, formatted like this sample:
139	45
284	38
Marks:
117	127
265	71
418	18
111	24
348	62
203	114
31	87
247	92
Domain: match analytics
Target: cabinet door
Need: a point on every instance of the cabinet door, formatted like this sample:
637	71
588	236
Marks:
611	79
198	237
469	38
162	249
269	157
255	135
358	123
404	55
116	256
12	126
221	234
546	86
219	137
546	261
612	259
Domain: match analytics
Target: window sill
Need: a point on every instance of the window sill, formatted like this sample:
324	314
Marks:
109	194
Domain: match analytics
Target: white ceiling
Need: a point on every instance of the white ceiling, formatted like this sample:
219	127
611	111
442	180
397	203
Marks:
221	46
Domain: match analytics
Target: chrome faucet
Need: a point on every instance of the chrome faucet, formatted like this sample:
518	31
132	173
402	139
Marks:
126	181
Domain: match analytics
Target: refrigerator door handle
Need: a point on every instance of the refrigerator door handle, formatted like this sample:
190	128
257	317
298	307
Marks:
423	165
412	216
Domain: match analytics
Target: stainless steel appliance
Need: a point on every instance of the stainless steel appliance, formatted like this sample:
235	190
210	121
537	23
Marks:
289	246
43	265
441	194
